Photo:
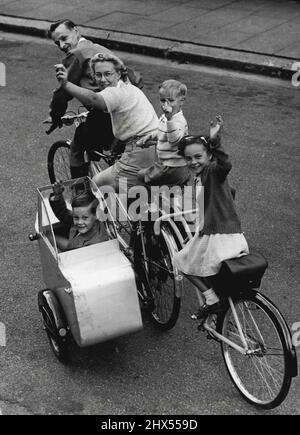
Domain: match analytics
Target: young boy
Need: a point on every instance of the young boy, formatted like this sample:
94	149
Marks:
82	223
170	169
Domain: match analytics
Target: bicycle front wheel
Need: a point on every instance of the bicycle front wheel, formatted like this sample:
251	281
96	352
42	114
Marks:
263	373
58	162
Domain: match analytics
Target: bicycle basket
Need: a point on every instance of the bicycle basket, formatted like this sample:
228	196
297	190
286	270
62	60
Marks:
240	274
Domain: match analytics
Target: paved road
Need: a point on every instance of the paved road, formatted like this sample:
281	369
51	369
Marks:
178	372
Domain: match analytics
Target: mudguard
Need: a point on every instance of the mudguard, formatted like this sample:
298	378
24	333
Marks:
292	355
49	302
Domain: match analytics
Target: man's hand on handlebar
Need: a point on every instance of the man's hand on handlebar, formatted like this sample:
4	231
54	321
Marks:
54	124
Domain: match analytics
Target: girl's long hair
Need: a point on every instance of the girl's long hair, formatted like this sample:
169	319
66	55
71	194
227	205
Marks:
190	139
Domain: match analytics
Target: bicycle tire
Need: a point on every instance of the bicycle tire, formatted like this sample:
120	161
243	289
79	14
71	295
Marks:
263	377
159	278
58	161
58	344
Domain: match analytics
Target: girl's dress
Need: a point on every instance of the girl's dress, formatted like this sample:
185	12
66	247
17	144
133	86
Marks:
219	236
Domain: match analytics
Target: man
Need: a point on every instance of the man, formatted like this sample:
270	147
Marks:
96	132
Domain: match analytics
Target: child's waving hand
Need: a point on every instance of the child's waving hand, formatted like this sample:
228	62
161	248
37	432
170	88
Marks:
61	74
216	129
58	188
167	109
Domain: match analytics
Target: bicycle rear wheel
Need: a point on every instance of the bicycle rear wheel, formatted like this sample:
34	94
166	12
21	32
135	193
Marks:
263	375
159	278
58	162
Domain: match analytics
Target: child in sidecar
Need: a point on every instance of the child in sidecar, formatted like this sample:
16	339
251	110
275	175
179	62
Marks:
81	223
90	292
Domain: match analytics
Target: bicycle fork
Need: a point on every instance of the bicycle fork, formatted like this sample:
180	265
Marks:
137	236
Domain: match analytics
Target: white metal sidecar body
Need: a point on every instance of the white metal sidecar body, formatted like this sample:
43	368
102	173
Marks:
94	285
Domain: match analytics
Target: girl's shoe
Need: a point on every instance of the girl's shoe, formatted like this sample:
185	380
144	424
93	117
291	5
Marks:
206	310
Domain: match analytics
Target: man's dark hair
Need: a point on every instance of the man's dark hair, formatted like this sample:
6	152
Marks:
68	23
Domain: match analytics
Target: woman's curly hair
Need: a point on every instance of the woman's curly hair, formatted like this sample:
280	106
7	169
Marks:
117	63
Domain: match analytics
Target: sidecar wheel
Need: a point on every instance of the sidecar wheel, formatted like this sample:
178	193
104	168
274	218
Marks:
55	325
60	348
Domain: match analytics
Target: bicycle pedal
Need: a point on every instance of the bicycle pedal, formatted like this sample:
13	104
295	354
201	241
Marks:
200	327
148	304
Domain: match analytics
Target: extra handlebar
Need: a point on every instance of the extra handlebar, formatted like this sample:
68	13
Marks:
68	120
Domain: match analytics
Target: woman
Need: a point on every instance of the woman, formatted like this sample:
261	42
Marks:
132	115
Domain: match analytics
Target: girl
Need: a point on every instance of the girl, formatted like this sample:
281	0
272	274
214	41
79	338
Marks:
220	236
132	116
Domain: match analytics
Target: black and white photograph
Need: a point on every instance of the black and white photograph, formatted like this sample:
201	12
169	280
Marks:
149	182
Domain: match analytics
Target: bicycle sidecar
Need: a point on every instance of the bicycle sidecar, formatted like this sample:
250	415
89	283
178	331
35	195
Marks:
90	292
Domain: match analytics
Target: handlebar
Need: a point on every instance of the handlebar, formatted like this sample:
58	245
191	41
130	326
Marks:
166	217
69	120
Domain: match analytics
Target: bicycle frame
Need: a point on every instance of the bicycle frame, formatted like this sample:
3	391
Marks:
112	217
205	325
94	166
243	350
167	217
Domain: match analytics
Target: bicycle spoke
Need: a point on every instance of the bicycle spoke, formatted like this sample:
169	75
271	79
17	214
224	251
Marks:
262	370
62	166
248	308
